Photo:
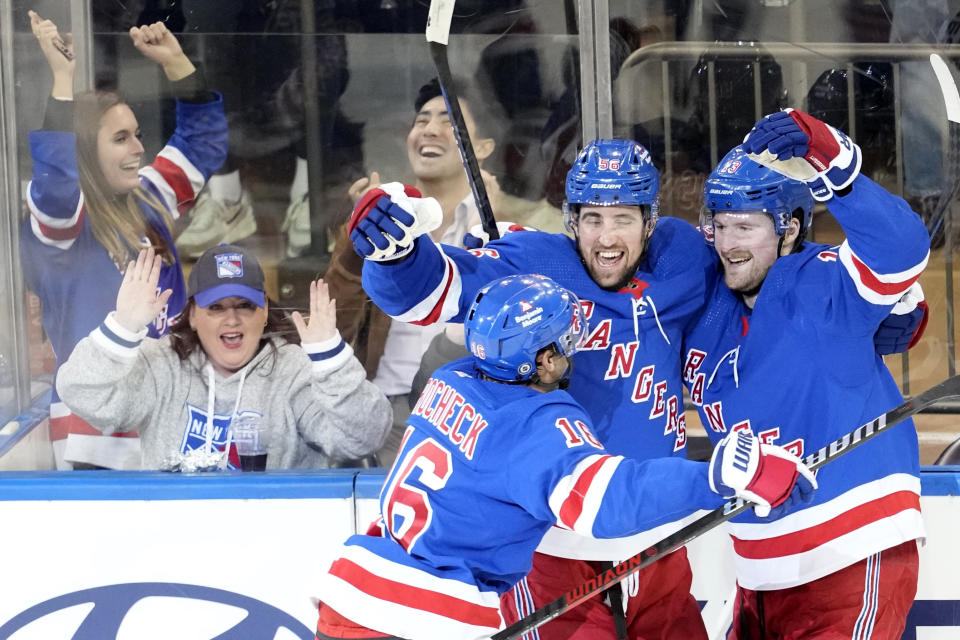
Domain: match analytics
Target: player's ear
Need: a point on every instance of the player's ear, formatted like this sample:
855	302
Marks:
483	147
550	365
790	237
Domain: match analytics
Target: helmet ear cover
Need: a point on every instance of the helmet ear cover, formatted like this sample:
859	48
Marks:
513	318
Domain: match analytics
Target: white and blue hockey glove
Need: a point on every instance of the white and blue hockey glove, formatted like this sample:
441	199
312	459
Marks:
904	327
803	148
389	218
765	474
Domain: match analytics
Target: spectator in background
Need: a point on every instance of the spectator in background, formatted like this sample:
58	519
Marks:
391	351
93	206
229	356
268	122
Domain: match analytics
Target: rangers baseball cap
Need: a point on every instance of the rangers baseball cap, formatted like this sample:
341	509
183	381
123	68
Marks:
226	271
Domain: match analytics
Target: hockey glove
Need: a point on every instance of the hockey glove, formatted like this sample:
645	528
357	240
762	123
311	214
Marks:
904	327
389	218
765	474
803	148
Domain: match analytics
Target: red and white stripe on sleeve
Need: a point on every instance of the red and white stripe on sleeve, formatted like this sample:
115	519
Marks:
576	498
442	303
176	179
55	232
878	288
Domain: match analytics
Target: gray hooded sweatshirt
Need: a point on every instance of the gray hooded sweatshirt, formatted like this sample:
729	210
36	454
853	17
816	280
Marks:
314	399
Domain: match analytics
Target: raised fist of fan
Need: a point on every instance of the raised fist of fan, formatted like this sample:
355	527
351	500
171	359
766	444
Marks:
765	474
388	219
803	148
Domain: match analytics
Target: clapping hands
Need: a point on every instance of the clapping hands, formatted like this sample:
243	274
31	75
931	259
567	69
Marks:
322	322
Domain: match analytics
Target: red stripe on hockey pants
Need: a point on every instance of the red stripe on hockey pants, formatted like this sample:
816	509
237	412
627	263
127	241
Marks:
867	600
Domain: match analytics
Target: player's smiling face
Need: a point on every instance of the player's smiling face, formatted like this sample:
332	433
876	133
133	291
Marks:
229	331
118	148
747	245
431	144
611	241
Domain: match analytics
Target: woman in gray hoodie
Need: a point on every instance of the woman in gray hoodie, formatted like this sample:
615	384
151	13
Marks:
229	358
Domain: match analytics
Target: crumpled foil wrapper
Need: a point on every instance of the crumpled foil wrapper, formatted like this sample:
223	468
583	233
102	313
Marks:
194	460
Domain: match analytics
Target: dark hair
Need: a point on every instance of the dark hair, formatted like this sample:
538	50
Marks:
184	339
802	235
486	119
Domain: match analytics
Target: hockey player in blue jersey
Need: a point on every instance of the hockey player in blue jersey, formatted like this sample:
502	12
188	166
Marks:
785	347
93	206
641	282
494	454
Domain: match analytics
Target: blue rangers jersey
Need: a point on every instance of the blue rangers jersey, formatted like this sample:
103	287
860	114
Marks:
64	264
627	373
483	470
801	370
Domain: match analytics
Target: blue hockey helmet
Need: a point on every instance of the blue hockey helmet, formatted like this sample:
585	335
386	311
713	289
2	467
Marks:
740	185
514	317
612	172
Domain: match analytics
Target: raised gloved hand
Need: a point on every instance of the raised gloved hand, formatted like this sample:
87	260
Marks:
765	474
801	147
904	327
389	218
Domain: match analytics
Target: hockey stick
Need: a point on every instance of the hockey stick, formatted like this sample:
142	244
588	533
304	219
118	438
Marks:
951	100
438	32
949	388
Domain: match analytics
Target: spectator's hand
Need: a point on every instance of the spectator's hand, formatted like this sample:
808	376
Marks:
476	237
803	148
764	474
58	50
388	219
158	43
322	323
137	300
359	188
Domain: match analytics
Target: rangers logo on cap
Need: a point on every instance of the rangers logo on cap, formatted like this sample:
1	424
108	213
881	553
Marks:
229	265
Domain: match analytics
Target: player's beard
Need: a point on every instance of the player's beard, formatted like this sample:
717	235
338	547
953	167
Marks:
624	279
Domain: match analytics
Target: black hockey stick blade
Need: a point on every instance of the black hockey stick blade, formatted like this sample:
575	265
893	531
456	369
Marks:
438	27
946	76
949	388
